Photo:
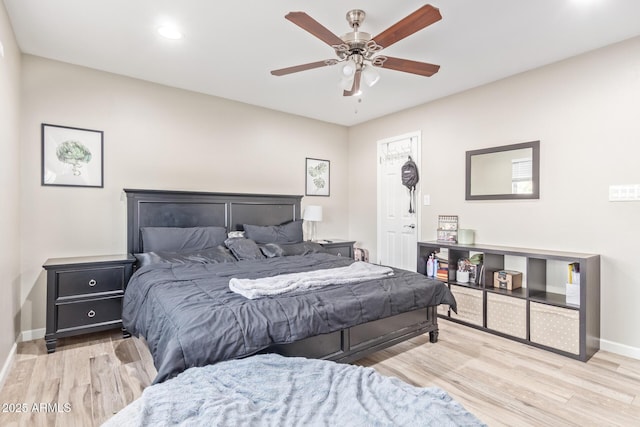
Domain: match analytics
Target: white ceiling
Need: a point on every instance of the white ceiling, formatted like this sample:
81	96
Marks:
230	47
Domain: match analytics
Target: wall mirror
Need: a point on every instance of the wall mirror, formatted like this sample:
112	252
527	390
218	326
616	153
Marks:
507	172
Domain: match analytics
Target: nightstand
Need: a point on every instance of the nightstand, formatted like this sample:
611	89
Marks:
84	294
339	247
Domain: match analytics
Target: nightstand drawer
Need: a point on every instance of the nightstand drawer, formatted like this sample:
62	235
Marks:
344	251
343	248
89	312
89	281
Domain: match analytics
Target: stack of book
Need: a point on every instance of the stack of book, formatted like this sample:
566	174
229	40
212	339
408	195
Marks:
573	284
443	268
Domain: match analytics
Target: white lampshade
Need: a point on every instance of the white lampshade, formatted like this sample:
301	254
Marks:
312	213
370	75
349	68
346	83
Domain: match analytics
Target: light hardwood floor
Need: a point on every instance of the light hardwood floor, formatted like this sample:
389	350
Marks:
500	381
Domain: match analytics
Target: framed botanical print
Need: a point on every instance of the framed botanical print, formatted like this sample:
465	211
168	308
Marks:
72	157
317	177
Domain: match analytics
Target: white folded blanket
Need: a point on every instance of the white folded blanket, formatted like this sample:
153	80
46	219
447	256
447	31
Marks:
295	282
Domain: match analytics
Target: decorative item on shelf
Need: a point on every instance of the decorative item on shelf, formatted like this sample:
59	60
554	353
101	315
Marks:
312	215
442	274
507	279
473	274
441	266
476	269
466	236
573	284
448	228
464	268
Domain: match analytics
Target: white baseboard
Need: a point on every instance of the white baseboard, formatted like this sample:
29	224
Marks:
33	334
8	364
621	349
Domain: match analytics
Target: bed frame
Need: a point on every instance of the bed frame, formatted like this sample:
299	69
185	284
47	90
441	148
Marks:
158	208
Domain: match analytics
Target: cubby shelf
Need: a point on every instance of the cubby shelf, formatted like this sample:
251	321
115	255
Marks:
538	313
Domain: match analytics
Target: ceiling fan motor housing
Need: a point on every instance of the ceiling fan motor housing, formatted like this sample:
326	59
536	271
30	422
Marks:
355	40
355	18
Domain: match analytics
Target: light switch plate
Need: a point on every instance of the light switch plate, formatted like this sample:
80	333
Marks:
426	200
1	50
624	193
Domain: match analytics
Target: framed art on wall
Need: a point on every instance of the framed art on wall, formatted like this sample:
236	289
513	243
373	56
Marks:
72	156
317	177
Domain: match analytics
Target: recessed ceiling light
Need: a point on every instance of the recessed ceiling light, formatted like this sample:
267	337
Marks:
170	32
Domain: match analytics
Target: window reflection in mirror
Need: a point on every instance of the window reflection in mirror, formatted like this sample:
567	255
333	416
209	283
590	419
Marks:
507	172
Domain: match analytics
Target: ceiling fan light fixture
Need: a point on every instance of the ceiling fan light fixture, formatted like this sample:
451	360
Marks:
370	75
346	83
349	68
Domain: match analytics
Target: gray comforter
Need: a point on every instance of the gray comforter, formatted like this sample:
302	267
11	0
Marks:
271	390
189	317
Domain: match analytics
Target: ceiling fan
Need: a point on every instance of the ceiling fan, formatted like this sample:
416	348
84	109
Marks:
359	51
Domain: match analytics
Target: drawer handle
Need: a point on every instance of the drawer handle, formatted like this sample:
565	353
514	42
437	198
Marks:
91	313
92	282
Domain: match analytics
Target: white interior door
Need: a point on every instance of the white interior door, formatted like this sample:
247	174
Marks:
397	227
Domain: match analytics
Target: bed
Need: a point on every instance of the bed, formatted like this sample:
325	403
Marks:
189	317
299	391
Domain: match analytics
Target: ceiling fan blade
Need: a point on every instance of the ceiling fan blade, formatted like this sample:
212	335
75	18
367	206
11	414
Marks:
416	21
408	66
303	67
355	89
309	24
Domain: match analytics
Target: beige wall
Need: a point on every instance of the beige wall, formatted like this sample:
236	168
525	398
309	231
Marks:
9	190
584	111
159	138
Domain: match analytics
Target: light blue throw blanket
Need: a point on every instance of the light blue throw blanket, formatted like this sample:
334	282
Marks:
272	390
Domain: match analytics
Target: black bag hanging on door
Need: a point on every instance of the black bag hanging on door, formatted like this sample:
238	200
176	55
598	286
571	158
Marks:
410	178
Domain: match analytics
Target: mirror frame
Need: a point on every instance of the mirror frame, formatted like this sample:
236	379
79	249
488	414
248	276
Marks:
534	145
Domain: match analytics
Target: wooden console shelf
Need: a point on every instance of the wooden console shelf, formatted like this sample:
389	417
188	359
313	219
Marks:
538	313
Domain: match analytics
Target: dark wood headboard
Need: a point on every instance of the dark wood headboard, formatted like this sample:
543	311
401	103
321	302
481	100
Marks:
159	208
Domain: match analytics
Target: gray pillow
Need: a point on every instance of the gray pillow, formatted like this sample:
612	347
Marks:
242	248
216	255
271	250
177	239
290	232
